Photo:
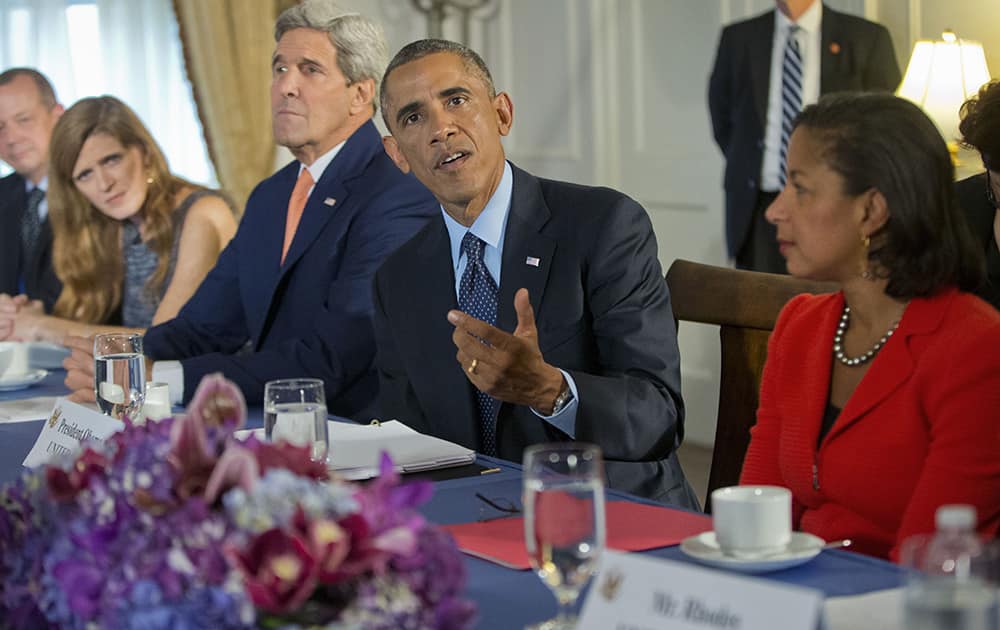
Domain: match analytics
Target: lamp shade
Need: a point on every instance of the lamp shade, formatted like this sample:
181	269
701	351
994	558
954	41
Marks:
941	75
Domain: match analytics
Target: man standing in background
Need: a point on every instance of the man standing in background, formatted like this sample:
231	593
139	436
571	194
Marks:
766	70
28	112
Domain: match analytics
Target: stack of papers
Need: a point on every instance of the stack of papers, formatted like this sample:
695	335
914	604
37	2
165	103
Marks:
355	449
630	527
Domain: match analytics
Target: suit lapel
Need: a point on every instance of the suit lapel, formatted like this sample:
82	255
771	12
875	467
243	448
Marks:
527	254
831	77
331	191
434	278
894	364
760	51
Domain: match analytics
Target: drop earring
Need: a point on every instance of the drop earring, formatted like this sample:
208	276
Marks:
866	272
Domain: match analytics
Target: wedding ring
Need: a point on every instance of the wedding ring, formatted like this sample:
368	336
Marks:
472	366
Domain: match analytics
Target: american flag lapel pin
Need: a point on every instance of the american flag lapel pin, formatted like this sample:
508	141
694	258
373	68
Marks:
531	261
329	201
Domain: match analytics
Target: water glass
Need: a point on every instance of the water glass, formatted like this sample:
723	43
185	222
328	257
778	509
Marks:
295	412
564	527
119	374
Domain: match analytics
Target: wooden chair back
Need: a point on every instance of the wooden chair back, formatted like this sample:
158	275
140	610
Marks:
745	305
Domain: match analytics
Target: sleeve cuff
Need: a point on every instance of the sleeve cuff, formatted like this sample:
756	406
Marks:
565	420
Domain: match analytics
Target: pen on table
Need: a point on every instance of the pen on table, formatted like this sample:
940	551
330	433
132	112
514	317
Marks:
489	471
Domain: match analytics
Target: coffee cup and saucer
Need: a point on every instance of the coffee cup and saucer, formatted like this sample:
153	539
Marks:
752	532
15	370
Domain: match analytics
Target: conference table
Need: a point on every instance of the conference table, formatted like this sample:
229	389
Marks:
506	598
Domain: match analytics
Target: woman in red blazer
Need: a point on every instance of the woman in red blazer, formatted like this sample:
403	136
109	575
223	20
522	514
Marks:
881	402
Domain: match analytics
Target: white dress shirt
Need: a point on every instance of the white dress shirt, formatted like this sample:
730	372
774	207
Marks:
810	40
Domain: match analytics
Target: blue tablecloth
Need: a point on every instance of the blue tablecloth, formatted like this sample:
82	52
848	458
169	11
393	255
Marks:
507	599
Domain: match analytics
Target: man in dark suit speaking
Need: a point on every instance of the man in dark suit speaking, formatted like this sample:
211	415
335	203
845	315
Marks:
766	70
529	310
290	295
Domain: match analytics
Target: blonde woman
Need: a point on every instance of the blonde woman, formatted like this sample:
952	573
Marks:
132	241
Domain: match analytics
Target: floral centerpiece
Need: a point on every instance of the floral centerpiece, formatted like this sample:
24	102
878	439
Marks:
176	524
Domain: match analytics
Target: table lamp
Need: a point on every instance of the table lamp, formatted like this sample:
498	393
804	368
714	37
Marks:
940	76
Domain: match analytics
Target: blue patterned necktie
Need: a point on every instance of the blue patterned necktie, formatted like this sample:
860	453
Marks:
477	296
791	96
31	225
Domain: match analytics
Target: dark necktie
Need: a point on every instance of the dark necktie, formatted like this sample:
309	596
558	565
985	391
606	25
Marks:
477	296
791	95
31	227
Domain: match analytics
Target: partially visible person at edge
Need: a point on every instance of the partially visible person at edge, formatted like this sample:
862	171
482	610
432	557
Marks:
291	294
979	194
881	402
131	241
561	281
28	112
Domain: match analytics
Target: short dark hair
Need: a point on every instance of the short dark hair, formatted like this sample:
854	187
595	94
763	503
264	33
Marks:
424	47
887	143
980	124
45	91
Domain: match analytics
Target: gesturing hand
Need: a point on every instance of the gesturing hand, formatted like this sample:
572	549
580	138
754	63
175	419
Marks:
508	367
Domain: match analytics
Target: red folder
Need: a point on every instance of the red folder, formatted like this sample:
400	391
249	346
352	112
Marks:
630	527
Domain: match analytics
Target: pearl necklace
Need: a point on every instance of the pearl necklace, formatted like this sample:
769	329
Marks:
838	342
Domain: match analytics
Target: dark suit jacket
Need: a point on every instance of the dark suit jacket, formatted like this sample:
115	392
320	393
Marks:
40	281
603	314
738	91
311	316
979	212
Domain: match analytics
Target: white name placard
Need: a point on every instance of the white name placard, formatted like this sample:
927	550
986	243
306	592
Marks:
69	425
632	592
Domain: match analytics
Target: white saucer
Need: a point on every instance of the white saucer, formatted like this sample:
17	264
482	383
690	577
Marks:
801	548
22	380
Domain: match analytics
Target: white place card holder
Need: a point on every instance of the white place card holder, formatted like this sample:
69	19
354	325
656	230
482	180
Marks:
69	425
632	592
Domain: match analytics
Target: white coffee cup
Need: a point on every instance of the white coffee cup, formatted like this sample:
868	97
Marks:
13	359
156	405
752	519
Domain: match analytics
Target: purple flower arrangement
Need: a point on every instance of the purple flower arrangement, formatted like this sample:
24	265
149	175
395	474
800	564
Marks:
176	524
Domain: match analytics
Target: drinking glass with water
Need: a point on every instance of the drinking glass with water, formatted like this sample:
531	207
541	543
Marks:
295	412
119	374
564	520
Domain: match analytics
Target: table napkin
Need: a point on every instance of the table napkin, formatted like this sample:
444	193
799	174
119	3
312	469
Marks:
630	527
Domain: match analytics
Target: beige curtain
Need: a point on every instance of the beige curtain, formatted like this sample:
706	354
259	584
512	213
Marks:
227	51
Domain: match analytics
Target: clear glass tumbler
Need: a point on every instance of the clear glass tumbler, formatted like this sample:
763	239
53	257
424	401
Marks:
295	412
119	374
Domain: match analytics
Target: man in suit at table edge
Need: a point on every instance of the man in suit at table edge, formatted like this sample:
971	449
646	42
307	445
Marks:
761	80
28	112
299	296
528	310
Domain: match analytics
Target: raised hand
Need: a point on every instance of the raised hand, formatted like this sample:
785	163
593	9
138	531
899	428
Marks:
508	367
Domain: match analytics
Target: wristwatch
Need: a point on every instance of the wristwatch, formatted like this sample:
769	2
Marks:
563	399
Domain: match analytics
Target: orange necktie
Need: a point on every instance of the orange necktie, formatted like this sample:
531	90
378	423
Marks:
295	205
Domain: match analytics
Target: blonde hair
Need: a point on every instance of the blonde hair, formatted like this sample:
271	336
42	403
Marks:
87	244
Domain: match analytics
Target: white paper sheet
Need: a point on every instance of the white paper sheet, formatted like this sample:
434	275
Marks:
355	449
881	609
27	409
